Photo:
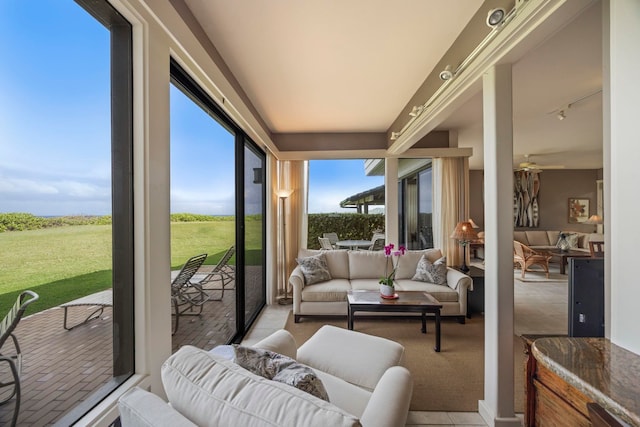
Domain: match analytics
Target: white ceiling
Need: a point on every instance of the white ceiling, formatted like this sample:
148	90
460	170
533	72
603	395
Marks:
352	66
331	65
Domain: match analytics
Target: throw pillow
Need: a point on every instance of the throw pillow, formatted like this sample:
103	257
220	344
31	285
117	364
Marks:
570	238
314	269
435	272
276	367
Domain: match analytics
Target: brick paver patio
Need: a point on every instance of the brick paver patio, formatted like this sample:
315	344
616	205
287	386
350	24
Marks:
61	368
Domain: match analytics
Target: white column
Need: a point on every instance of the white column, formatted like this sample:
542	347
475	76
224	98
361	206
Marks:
391	200
497	407
621	165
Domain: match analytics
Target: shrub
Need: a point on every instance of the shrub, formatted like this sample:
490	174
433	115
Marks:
347	225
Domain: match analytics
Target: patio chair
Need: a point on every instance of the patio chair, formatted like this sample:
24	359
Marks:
526	257
222	275
325	243
333	238
186	295
377	244
14	361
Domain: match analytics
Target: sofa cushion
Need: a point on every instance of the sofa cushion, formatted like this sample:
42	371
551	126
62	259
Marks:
365	284
337	260
439	292
367	264
314	269
521	236
408	262
274	366
433	272
140	408
333	290
538	238
211	391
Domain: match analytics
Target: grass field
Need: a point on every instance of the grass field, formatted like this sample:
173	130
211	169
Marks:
64	263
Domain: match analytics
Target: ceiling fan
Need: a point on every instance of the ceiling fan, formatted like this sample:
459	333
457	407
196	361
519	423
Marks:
531	166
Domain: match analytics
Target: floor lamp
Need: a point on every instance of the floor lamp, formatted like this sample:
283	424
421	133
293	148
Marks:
283	195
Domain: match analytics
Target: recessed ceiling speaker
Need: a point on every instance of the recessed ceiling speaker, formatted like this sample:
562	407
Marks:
446	74
495	17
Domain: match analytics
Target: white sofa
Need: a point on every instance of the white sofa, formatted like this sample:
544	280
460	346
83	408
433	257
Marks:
366	386
548	239
361	270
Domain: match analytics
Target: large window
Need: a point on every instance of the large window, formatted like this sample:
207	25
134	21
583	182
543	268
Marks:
66	188
218	208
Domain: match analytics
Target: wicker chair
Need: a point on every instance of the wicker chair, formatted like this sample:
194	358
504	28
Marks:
186	295
7	326
526	257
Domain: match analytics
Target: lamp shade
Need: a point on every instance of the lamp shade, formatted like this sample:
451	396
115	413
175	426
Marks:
284	193
594	219
473	224
464	232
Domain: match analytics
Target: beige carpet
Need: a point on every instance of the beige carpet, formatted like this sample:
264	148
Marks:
452	380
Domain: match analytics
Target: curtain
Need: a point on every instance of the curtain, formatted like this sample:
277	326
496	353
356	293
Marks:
450	203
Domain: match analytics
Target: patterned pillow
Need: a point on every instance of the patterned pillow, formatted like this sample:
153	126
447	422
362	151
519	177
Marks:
571	238
436	272
314	269
276	367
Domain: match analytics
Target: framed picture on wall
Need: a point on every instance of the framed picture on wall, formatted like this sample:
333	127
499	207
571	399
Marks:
578	210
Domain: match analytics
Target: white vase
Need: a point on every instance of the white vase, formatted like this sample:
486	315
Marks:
387	291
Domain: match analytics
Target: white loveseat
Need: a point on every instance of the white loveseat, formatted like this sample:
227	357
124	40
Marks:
366	386
361	270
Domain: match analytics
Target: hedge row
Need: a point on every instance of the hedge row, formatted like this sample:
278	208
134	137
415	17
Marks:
347	226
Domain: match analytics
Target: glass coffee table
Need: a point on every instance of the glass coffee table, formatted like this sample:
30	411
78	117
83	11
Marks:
407	302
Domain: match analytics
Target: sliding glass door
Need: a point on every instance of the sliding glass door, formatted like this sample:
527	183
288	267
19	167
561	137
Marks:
218	209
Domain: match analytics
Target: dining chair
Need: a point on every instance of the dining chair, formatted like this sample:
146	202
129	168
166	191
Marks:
596	249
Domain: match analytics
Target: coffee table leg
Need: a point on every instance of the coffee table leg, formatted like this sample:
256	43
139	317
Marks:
424	323
350	318
437	313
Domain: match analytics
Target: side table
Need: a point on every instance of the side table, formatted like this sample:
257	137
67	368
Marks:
475	298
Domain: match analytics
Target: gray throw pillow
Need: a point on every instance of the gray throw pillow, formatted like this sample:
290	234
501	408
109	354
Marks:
314	269
435	272
276	367
571	238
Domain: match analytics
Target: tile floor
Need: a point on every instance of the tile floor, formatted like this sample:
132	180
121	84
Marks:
540	307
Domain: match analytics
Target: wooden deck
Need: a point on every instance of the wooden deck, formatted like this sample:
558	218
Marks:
62	367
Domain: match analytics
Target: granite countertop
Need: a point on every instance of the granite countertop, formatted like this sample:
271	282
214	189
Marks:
603	371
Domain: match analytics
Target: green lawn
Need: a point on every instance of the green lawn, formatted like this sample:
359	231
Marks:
64	263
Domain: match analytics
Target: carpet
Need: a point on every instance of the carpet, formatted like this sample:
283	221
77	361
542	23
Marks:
452	380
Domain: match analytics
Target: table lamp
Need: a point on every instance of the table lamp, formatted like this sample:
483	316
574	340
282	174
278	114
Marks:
464	233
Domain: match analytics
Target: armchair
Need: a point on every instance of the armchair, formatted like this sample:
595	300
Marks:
526	257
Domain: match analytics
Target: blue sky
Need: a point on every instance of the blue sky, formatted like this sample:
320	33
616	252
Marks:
55	126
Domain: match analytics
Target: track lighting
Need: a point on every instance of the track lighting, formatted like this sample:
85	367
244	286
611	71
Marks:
495	17
395	135
561	116
415	111
446	74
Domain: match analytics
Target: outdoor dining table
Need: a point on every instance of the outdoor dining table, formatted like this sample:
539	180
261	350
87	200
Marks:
353	244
